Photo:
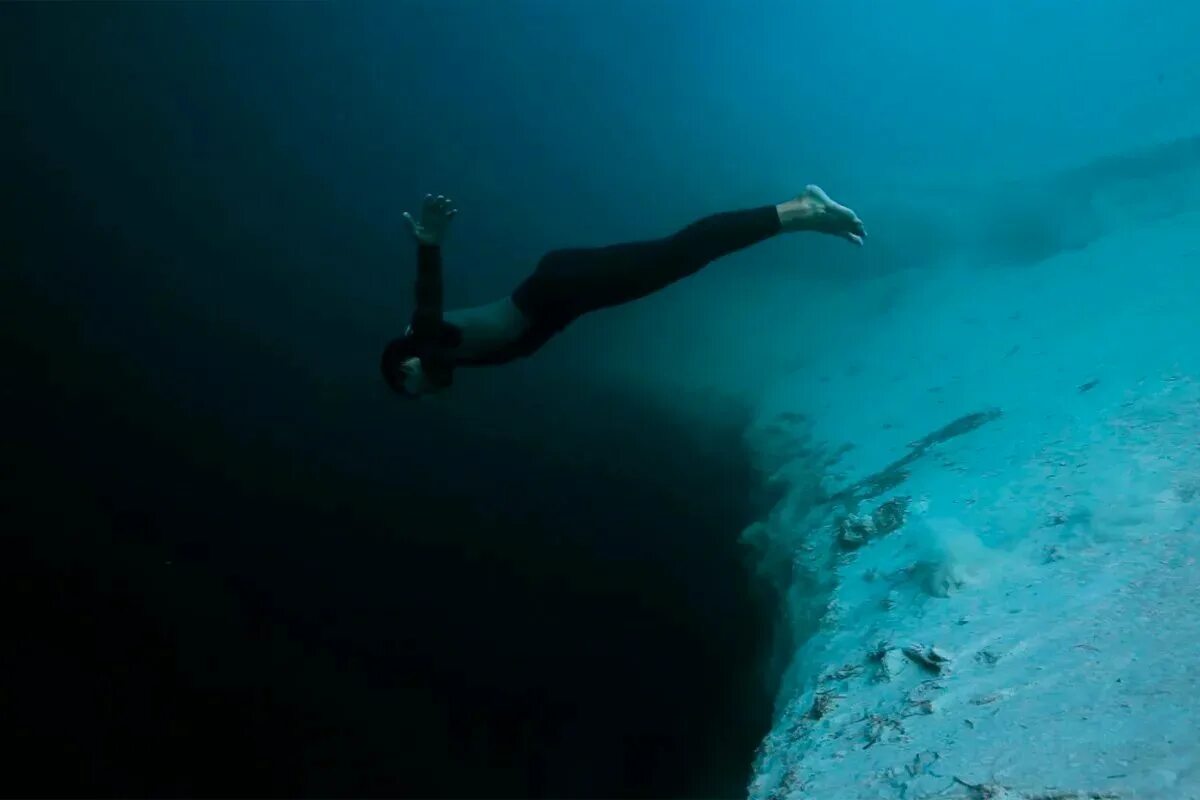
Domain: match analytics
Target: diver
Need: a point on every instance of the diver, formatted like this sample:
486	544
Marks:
570	283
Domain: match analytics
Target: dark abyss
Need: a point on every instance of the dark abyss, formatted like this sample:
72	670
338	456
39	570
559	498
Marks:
231	566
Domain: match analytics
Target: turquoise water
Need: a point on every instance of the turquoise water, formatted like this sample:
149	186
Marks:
620	568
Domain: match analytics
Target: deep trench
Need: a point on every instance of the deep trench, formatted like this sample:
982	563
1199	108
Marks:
194	612
231	568
225	575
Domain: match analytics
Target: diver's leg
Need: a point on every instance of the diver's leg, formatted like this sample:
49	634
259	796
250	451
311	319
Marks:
568	283
624	272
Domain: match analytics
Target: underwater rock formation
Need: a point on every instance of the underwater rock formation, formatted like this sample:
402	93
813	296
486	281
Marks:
993	605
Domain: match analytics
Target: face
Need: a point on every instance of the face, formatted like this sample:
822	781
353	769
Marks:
413	377
407	376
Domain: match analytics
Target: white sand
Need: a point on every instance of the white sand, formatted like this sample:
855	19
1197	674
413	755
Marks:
1051	554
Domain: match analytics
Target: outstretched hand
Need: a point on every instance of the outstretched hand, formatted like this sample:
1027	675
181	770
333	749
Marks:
436	213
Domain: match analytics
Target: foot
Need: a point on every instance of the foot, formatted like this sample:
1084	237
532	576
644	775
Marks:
813	210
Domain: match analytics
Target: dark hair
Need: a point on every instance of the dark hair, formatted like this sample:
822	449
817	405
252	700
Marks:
394	355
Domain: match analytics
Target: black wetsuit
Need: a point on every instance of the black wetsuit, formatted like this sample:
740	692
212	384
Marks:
566	285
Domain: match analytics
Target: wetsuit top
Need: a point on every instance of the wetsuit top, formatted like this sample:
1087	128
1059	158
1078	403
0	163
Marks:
484	335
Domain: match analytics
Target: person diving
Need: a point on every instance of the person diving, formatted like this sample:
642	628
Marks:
566	284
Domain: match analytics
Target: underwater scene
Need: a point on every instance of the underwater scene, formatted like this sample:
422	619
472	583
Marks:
582	398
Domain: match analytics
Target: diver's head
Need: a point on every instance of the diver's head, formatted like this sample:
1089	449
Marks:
406	374
399	366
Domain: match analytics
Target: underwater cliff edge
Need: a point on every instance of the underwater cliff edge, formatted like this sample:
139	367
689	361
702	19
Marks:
989	525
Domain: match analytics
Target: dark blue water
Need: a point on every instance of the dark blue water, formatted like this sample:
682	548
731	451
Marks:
234	565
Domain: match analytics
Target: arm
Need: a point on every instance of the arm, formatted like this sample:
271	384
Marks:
436	213
427	318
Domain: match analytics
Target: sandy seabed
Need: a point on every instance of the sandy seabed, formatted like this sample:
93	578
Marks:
1006	537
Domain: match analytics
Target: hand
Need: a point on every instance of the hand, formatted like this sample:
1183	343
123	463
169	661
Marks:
816	211
436	213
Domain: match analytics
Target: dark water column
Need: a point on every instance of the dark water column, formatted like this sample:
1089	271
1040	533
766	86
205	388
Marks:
202	603
230	569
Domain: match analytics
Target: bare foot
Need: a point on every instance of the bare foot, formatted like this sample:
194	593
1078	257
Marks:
813	210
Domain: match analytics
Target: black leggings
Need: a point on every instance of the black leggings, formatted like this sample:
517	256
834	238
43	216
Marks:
570	283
